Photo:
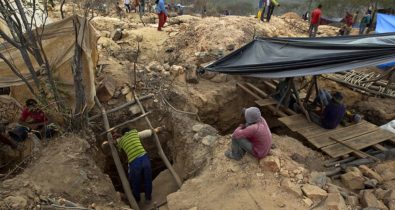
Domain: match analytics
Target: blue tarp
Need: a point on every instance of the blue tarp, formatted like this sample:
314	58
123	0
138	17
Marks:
385	23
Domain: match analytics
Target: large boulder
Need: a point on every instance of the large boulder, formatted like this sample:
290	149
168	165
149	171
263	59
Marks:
106	89
335	201
313	192
190	74
370	200
353	180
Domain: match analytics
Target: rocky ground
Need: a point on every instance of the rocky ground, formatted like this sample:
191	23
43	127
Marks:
71	167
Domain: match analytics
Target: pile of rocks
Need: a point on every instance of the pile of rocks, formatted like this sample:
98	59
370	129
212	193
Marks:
359	187
185	73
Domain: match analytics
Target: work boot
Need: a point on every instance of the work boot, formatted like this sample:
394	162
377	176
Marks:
229	155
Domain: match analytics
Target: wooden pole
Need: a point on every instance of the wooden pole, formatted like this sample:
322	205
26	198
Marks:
125	123
359	87
309	91
293	86
121	107
353	149
284	97
265	95
117	160
271	108
158	145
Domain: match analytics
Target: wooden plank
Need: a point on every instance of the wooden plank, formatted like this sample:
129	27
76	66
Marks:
298	122
359	154
265	102
356	152
337	150
322	131
271	108
342	134
380	147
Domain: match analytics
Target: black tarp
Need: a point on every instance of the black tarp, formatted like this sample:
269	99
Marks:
291	57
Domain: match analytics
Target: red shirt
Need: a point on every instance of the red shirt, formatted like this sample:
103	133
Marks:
259	135
349	20
36	116
315	16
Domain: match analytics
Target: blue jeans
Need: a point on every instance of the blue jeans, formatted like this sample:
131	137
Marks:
140	168
240	147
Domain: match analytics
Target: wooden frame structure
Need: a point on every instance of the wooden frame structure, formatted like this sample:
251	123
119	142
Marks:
336	142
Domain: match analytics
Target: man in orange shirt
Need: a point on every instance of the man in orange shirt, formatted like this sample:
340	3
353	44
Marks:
315	21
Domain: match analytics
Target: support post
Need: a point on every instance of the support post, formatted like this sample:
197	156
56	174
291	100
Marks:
286	96
298	100
158	145
117	160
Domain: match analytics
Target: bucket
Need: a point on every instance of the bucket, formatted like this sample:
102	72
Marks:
19	133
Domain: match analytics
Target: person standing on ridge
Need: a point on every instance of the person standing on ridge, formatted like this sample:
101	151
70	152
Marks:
364	23
273	4
315	21
162	13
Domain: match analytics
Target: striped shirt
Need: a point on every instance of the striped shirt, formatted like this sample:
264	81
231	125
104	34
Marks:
131	144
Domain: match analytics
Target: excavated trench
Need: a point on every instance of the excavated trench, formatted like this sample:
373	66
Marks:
223	114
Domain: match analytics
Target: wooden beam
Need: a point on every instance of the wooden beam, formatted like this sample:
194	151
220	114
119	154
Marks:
298	100
158	145
122	106
309	92
117	160
270	107
380	147
125	123
356	151
265	95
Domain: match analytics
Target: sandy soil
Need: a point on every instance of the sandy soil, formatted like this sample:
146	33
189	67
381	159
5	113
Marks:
228	184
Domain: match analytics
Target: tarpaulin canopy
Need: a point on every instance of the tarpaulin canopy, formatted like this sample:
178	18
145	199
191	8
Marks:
385	23
59	43
292	57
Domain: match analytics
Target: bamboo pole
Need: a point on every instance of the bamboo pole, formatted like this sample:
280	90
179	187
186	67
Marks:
158	145
117	160
359	87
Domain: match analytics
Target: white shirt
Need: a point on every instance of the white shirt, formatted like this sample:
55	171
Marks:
127	1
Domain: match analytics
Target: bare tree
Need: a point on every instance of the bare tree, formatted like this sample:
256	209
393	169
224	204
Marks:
26	35
29	42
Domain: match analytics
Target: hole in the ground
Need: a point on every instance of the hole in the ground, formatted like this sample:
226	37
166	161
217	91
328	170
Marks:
166	137
156	162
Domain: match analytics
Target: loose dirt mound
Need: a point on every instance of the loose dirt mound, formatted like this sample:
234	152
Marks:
291	15
228	184
217	35
63	169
